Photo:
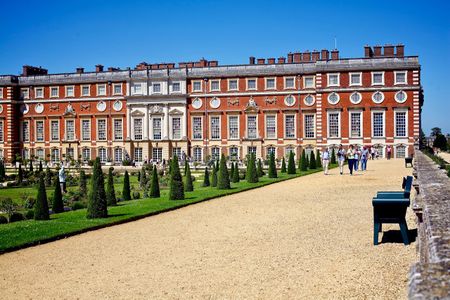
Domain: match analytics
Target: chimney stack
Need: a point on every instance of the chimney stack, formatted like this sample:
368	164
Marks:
377	51
388	50
334	54
315	55
297	57
281	60
290	58
30	71
252	60
261	61
80	70
325	54
368	53
271	60
98	68
400	50
306	56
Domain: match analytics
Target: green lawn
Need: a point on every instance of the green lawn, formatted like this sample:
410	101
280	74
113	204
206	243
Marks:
26	233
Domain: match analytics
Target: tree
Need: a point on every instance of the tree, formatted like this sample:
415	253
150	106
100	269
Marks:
318	160
41	204
259	169
231	172
110	192
142	178
189	185
251	175
435	131
214	176
235	173
333	156
57	203
139	177
8	206
283	166
97	205
31	166
223	177
126	193
312	161
176	182
291	163
20	174
422	139
154	188
440	142
48	177
303	161
2	171
206	179
83	184
40	167
272	167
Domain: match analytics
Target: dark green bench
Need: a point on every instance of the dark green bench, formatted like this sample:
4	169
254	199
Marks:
390	207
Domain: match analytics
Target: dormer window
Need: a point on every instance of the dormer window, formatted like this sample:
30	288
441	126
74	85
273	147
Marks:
377	78
333	79
197	86
400	77
215	85
69	91
39	92
101	90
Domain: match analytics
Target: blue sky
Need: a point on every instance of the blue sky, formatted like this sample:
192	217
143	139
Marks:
63	35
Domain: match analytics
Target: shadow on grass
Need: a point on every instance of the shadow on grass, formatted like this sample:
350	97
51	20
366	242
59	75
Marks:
113	215
395	236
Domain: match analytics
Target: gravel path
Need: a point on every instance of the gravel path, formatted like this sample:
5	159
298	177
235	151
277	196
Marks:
445	156
307	238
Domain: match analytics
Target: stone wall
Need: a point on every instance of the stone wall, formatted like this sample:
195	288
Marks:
430	276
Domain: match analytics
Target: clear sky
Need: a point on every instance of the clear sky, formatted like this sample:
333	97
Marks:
63	35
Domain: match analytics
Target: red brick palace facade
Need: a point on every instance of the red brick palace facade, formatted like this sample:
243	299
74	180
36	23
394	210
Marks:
307	100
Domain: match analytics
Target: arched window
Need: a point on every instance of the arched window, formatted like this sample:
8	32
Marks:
400	151
102	155
118	155
215	153
234	153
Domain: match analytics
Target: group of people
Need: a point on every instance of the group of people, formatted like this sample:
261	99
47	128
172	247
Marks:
356	157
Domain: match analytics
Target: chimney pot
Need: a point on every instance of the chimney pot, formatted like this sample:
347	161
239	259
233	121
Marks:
324	54
80	70
252	60
297	57
98	68
388	50
261	61
377	51
306	56
315	55
290	58
281	60
400	50
368	52
334	54
271	60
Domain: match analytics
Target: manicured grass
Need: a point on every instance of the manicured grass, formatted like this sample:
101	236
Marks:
27	233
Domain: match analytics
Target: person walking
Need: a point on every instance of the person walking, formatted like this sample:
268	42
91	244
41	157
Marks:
388	151
364	157
372	152
341	158
350	158
325	160
62	179
357	158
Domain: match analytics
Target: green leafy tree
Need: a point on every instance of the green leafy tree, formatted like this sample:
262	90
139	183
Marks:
41	204
251	175
283	166
312	161
20	174
291	163
126	191
236	173
214	176
83	184
154	188
48	176
318	160
176	181
223	176
57	203
189	187
206	178
435	131
272	167
333	156
110	192
303	161
259	169
97	205
440	142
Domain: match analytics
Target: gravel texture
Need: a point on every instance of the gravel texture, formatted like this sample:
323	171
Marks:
306	238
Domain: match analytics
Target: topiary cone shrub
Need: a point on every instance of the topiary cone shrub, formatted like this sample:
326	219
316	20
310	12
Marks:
31	166
272	166
2	171
231	172
259	169
97	205
251	175
41	204
154	188
110	192
206	178
83	184
312	161
40	167
291	164
318	160
48	177
214	176
236	173
176	181
303	162
189	185
283	166
126	192
333	157
223	178
57	203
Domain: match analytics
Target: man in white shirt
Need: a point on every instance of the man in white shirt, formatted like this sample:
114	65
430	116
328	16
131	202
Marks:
325	160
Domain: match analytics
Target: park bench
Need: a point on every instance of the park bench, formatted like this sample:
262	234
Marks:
390	207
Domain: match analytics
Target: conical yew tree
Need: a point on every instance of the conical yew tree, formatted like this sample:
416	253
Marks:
97	205
223	178
154	188
272	166
333	156
110	192
318	160
206	178
41	204
259	169
189	185
214	176
236	173
303	161
83	184
251	175
283	166
176	181
126	191
40	167
48	177
291	163
231	172
312	161
57	203
2	171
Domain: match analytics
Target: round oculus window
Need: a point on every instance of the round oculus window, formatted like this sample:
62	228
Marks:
197	103
24	108
117	105
401	97
378	97
39	108
309	100
333	98
215	102
355	98
289	100
101	106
